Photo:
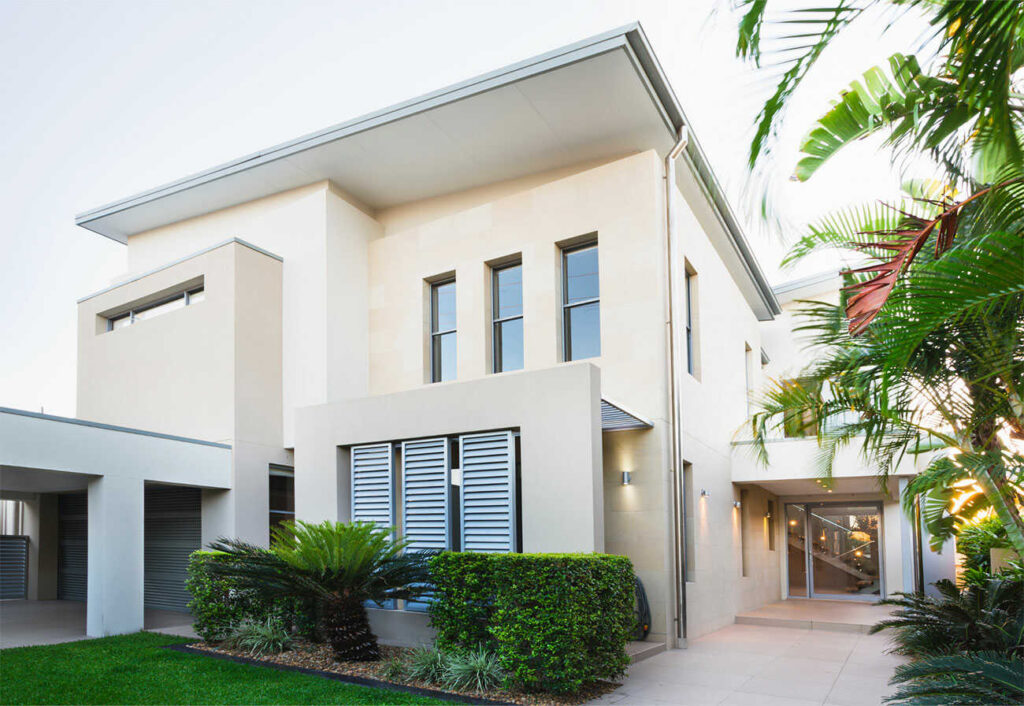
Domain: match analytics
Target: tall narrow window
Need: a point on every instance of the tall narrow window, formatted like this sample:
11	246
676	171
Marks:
770	525
581	303
442	331
689	528
282	495
744	543
748	376
507	311
691	349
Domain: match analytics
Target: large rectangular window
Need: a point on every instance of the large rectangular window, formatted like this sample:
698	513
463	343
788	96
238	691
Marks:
154	309
442	331
282	495
507	313
581	303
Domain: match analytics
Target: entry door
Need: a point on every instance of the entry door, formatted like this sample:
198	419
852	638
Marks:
834	550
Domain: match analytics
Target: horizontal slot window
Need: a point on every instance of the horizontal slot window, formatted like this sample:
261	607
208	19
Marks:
154	309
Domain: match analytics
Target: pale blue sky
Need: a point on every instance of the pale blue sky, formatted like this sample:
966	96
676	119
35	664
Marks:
99	100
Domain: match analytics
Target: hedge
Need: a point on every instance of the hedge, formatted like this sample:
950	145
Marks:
556	621
217	607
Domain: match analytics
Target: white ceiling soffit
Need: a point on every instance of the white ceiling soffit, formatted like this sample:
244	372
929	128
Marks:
599	98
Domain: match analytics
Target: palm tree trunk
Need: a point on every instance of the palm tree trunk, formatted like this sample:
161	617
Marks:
347	629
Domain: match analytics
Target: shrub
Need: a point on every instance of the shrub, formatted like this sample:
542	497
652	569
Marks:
463	600
394	668
426	664
474	670
555	621
975	541
261	638
218	606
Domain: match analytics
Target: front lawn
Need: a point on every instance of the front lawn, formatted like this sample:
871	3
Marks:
135	669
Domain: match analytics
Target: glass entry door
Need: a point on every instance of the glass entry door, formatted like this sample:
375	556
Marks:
833	550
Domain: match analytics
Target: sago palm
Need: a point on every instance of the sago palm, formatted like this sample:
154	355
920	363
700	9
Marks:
339	567
989	616
982	678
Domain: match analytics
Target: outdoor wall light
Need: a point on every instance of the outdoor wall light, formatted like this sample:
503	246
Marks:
627	477
792	523
737	504
768	515
704	493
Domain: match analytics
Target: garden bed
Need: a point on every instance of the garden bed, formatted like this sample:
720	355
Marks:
313	657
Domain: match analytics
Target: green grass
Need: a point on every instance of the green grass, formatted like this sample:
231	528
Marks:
134	669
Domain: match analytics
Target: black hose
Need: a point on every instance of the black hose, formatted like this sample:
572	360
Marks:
642	612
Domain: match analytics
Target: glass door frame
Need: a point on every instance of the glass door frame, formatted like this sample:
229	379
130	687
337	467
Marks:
808	557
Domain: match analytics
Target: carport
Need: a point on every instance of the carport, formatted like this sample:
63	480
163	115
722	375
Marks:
111	514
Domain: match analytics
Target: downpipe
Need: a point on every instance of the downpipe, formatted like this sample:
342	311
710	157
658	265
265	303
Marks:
672	306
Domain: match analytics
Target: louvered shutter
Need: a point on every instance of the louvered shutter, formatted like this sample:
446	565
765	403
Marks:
13	566
488	493
372	489
173	530
425	482
425	503
72	547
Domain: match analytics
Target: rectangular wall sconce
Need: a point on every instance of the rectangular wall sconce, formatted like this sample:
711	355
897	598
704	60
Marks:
627	477
704	493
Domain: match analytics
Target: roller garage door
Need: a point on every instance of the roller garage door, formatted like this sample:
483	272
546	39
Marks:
72	546
173	531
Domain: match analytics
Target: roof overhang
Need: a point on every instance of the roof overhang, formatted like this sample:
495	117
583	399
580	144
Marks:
600	98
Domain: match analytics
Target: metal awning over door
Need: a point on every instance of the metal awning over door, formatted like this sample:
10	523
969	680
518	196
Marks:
615	418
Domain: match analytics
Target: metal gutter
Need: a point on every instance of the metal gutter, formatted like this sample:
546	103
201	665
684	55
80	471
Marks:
111	427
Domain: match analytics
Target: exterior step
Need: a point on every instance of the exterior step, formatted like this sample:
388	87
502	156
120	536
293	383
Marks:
639	651
802	624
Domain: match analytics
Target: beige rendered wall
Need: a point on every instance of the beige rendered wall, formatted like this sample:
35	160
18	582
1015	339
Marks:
210	371
621	201
322	236
713	408
556	410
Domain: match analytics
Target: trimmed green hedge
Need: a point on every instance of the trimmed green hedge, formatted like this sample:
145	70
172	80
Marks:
556	621
218	608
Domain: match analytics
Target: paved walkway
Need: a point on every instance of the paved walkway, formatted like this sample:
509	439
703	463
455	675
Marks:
756	665
24	623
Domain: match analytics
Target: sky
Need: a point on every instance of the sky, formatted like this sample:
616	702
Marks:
100	100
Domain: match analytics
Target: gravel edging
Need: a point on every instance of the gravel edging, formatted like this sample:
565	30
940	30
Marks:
345	678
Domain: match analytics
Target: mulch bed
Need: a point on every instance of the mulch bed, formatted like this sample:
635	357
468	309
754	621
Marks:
318	659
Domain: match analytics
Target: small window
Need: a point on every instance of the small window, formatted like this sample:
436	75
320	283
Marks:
743	510
442	331
581	303
691	321
282	495
507	313
154	309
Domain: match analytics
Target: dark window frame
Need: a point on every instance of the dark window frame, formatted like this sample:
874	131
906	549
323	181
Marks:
436	334
567	307
497	342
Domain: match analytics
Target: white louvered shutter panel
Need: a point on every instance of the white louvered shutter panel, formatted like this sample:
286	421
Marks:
488	492
425	483
372	489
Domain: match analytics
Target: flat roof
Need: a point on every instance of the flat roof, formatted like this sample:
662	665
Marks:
599	98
